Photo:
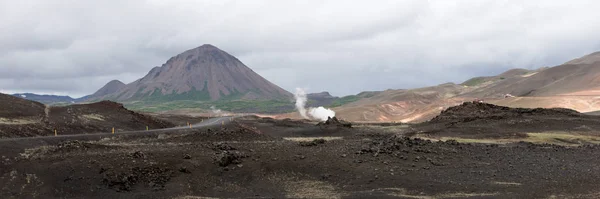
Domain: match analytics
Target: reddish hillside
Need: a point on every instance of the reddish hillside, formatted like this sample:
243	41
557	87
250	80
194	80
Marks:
574	85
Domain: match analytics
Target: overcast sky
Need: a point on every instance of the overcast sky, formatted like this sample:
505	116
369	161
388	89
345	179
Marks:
75	47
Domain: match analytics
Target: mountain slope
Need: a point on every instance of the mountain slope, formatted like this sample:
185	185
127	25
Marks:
579	75
405	105
19	108
110	88
574	85
205	73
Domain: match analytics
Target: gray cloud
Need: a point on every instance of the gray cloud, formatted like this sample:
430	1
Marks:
75	47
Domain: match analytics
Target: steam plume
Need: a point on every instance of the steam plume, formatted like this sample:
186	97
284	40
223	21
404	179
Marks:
216	111
320	113
300	96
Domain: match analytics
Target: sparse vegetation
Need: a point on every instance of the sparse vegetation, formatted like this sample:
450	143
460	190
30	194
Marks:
475	81
351	98
558	138
269	106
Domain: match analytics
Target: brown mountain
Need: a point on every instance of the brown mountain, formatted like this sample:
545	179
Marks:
204	73
403	105
574	84
579	75
110	88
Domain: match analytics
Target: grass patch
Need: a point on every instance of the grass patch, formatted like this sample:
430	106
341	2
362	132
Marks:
267	106
403	193
310	139
474	81
385	129
351	98
310	189
507	183
9	121
93	117
558	138
563	138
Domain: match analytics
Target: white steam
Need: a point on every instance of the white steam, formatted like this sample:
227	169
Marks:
216	111
320	113
300	96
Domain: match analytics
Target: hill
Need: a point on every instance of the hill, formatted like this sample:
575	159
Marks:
20	117
110	88
574	85
575	77
403	105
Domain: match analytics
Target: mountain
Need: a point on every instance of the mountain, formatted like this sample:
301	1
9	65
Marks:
575	77
110	88
574	85
403	105
320	99
46	99
205	73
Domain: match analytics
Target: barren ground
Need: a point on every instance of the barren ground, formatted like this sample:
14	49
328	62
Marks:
268	158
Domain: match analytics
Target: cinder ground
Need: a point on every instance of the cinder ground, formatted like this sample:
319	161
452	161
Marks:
267	158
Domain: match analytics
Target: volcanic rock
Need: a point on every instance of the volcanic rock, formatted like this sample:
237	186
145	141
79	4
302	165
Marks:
333	121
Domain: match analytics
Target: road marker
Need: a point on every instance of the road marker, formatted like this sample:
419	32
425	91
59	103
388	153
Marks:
113	130
55	134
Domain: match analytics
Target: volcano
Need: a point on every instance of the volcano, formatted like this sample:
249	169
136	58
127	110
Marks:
205	73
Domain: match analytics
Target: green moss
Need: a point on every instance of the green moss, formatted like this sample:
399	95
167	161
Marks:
267	106
345	100
474	81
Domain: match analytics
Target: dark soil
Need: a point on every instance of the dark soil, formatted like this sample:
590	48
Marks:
315	142
15	107
333	121
98	117
105	115
249	159
482	120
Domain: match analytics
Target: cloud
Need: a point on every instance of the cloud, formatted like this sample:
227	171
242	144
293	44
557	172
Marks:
75	47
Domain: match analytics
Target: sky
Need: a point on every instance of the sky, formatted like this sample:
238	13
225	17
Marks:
73	47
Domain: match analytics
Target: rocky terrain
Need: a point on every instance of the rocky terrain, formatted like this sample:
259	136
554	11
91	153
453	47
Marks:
253	157
22	118
482	120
